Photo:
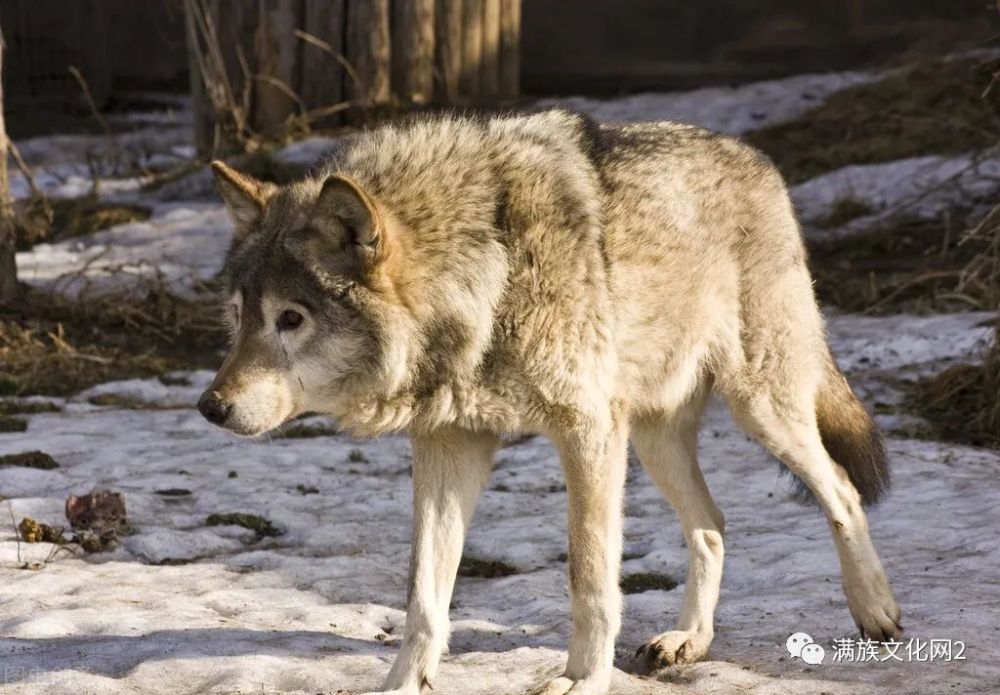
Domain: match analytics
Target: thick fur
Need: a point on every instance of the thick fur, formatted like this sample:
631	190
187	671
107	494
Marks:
462	278
851	437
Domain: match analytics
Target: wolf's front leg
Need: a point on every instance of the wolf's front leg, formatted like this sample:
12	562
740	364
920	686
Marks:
450	469
594	459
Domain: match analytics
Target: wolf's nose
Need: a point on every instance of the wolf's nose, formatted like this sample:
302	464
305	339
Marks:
213	407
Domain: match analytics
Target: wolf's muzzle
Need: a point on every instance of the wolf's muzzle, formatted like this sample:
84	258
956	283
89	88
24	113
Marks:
214	408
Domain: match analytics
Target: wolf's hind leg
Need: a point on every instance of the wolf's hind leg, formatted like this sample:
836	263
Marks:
788	429
450	470
667	447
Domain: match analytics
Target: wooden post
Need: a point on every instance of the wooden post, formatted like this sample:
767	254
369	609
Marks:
413	51
447	50
323	76
221	56
510	48
472	41
9	289
489	74
368	50
277	51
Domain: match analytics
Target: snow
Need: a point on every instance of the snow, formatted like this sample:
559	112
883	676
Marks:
922	187
181	607
185	608
180	245
732	110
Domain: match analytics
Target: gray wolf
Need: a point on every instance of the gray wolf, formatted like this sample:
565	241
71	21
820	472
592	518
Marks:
463	278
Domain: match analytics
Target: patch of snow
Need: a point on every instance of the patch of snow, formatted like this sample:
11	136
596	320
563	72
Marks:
308	151
153	392
732	110
181	246
916	343
920	187
320	608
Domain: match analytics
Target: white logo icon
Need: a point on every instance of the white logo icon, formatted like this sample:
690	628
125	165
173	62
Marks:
795	643
813	654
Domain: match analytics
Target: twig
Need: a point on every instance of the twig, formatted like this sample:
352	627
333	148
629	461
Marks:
17	533
75	72
339	57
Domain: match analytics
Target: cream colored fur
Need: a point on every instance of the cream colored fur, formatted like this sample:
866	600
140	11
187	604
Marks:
544	274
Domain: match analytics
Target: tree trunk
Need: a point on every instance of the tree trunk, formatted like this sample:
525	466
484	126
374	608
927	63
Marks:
369	52
510	49
413	51
472	41
322	73
447	50
9	289
277	80
489	75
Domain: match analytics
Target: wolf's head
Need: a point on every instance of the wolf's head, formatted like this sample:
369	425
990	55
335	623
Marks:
310	286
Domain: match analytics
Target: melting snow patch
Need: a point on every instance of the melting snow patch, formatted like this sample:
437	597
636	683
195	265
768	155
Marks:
732	110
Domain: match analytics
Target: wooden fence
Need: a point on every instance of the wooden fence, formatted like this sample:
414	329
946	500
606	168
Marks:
260	68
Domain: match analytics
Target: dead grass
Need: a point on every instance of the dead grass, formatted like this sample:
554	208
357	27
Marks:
909	265
843	211
50	345
55	219
939	107
961	403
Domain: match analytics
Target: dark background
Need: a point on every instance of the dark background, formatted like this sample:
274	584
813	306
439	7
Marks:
597	47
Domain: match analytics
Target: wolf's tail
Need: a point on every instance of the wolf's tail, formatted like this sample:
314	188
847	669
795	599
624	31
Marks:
850	436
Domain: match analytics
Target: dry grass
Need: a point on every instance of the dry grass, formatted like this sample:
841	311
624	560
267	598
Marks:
910	265
55	219
940	107
961	403
50	345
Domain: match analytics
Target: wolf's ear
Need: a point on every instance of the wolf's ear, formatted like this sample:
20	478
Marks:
245	197
343	205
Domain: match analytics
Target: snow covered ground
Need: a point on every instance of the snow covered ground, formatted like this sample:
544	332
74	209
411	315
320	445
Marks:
182	607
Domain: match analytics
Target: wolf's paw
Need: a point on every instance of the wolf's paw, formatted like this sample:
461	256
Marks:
563	685
674	648
872	606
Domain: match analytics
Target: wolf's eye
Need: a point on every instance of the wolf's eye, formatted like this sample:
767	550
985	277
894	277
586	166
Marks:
289	320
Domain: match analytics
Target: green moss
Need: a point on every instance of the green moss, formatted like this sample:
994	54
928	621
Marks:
843	211
168	380
9	385
253	522
29	459
484	569
116	400
11	407
647	581
357	456
303	431
13	424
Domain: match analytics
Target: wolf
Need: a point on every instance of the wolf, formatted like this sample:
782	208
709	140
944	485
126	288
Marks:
463	278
